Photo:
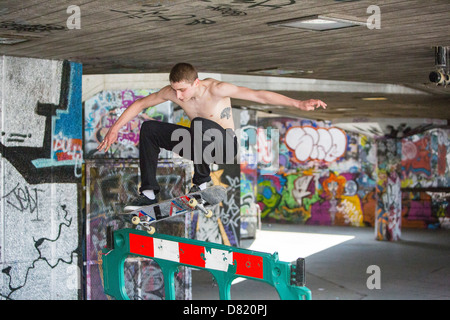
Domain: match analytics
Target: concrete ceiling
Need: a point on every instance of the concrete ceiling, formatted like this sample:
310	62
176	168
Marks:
238	37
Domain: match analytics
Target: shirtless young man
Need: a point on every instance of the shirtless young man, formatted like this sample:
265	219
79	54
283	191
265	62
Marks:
207	103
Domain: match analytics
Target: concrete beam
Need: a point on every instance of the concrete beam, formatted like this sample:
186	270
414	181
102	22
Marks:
93	84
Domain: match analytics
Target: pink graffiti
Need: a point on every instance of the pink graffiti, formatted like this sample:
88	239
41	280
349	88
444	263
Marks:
67	148
128	136
416	156
264	146
128	97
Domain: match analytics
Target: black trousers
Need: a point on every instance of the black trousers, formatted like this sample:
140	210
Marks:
205	142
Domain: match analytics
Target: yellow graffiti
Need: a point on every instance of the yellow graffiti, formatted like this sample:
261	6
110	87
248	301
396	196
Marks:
184	121
350	208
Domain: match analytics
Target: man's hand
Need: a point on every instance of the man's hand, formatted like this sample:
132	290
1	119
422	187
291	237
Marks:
311	104
109	139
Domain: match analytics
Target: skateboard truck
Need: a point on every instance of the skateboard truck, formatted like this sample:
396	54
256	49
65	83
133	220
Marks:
136	220
194	204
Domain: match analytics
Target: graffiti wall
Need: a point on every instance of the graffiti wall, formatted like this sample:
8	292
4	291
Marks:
41	159
425	177
425	159
330	177
110	185
103	110
325	176
248	165
229	219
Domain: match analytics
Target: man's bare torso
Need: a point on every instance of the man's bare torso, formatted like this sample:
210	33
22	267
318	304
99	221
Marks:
207	105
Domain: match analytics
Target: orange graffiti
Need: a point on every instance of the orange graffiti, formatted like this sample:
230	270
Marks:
334	186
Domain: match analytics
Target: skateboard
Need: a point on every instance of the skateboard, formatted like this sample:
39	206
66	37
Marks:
200	200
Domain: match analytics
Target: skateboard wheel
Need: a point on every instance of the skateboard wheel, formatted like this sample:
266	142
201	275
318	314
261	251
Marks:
151	230
193	203
209	214
135	220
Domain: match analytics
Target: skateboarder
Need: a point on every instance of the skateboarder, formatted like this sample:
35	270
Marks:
208	104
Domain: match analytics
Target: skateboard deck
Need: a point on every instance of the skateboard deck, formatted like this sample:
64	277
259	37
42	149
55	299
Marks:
200	200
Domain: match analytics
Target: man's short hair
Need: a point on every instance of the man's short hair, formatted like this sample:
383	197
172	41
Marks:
183	72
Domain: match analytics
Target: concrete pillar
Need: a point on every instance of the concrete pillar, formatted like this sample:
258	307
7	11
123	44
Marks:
41	158
388	190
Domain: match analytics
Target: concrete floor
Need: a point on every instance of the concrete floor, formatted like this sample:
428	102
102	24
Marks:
337	262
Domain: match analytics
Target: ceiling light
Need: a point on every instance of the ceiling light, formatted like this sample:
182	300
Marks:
273	71
318	23
279	71
11	41
374	99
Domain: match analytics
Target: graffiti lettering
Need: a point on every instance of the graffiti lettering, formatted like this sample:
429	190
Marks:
268	149
66	148
300	186
416	157
22	27
103	110
309	143
200	21
158	15
267	3
17	137
350	210
227	10
155	15
232	208
23	199
264	147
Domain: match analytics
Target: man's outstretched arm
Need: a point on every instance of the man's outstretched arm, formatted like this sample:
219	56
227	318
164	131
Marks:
266	97
129	114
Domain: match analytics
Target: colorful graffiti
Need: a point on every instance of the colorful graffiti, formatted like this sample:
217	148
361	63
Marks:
426	160
103	110
416	157
417	210
361	185
248	163
389	205
425	169
308	143
320	180
323	198
111	183
228	222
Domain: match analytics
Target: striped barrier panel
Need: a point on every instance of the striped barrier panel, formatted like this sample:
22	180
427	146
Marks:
225	263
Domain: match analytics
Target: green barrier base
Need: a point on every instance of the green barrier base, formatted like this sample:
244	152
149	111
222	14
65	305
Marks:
225	263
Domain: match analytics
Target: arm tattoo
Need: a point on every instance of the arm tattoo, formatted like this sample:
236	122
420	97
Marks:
226	113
